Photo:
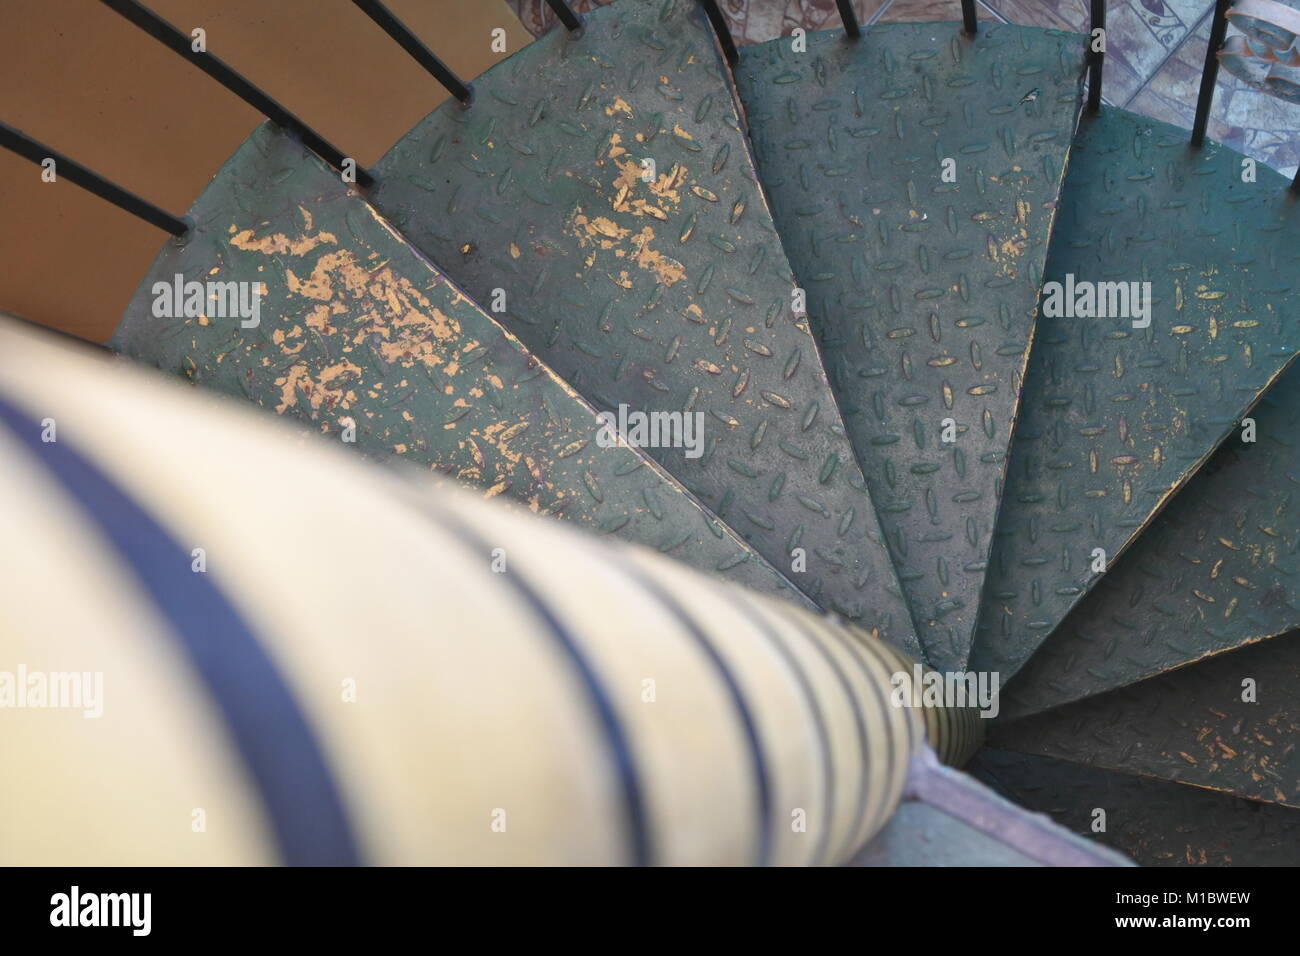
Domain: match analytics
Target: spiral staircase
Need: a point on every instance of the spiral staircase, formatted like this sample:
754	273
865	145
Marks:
833	248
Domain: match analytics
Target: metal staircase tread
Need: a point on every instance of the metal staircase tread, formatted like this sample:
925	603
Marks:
358	330
1116	418
1155	822
665	294
838	256
921	291
1228	724
1218	569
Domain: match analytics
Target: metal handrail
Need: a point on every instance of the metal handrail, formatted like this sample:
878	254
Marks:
181	44
849	18
409	42
565	15
1210	72
1097	16
17	141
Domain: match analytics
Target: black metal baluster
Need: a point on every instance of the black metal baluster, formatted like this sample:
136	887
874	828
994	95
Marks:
849	18
1096	57
19	142
565	15
968	16
722	30
1210	74
409	42
180	43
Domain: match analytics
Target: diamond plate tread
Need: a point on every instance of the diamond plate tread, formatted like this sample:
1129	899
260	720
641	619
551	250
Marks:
666	296
1216	570
1189	725
922	293
356	325
1114	419
1154	822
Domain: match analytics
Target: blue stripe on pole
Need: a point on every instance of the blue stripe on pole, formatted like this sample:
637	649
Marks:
269	730
761	775
639	849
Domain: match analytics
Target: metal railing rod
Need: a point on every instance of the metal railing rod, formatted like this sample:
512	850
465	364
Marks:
969	23
849	18
565	15
412	44
722	30
180	44
1096	58
19	142
1210	73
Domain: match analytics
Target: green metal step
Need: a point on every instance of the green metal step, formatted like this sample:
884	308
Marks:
921	290
1229	724
1115	418
357	328
1218	569
666	294
1154	822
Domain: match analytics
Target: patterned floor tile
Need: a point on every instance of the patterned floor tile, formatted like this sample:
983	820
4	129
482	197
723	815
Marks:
1250	122
1140	36
1070	15
930	11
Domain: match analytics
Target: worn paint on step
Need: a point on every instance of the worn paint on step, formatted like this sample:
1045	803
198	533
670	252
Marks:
664	289
357	331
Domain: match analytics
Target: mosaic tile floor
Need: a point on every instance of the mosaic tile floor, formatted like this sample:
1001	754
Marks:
1153	61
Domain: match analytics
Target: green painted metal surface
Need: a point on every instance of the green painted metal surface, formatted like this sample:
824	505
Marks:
665	290
1218	569
1154	822
1229	723
356	328
671	292
1115	418
921	286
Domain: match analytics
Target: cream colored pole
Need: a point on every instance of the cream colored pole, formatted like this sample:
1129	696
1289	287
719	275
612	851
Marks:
223	642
